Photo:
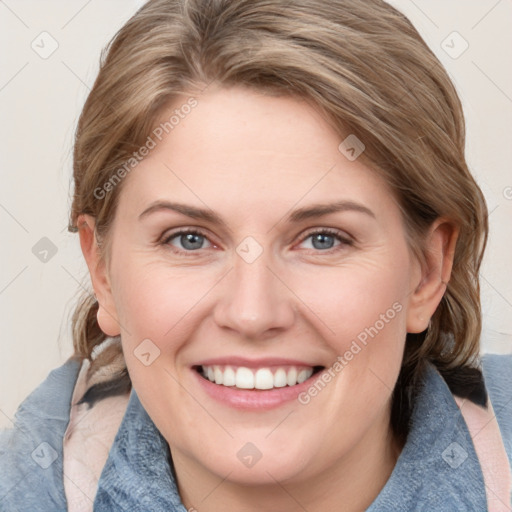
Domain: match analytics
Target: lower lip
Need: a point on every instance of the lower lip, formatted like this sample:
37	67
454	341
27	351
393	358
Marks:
254	399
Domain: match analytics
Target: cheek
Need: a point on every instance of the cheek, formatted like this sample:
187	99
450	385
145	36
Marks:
166	305
358	303
157	303
360	312
152	302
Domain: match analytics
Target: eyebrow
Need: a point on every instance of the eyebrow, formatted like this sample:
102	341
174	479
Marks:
301	214
318	210
184	209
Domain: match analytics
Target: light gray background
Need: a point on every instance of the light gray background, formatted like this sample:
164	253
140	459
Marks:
41	98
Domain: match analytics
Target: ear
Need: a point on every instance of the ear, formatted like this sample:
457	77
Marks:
107	315
434	275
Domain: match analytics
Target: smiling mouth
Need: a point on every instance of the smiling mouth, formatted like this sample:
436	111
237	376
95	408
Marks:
241	377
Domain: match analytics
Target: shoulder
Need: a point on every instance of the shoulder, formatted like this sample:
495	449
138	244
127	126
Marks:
51	399
31	450
497	370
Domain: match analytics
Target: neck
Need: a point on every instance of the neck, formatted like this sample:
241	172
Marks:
354	481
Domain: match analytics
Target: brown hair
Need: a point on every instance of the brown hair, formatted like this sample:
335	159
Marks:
364	66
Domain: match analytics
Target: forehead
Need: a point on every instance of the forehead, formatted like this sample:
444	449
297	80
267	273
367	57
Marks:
238	147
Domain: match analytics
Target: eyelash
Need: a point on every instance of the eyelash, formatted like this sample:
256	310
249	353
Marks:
344	240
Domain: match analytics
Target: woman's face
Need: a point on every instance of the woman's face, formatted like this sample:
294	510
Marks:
248	248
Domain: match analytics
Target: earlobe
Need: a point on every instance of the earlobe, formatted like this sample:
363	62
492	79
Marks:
435	274
107	315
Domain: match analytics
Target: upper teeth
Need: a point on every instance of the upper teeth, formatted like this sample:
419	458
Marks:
262	378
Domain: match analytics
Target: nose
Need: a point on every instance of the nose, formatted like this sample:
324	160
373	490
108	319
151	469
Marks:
254	302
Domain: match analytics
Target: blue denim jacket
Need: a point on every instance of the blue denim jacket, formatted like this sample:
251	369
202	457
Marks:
138	475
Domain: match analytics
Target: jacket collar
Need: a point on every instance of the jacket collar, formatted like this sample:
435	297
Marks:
138	474
438	468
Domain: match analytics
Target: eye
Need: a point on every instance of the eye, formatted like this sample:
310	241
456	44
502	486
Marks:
192	240
187	240
326	239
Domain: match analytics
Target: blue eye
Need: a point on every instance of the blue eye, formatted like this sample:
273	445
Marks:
322	241
326	239
187	240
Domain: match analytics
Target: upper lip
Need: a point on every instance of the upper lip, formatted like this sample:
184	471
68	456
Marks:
265	362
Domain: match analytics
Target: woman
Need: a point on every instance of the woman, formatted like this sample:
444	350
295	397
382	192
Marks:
284	240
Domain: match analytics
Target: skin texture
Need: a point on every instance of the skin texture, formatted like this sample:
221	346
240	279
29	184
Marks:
253	159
